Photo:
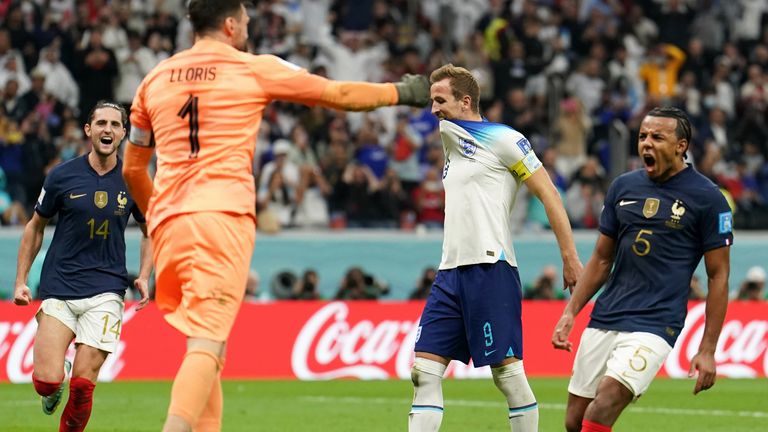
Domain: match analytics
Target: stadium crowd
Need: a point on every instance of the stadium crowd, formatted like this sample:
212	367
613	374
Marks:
574	76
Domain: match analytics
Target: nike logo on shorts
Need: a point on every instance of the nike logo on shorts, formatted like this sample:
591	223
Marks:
622	203
487	353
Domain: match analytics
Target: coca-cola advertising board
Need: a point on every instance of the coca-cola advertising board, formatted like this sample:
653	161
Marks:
365	340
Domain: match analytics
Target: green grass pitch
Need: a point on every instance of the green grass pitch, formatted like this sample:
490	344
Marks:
371	406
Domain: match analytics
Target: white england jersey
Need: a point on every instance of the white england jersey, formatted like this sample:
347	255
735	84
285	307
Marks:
485	163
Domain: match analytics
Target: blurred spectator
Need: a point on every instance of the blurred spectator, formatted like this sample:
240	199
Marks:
11	71
58	79
11	99
572	130
11	212
753	286
404	153
96	70
134	61
394	203
544	286
724	95
424	285
311	195
518	114
584	198
278	184
358	189
11	157
660	71
38	151
429	200
369	150
587	85
11	61
357	285
351	57
306	288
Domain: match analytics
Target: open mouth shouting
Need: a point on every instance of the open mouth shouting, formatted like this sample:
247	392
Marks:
649	161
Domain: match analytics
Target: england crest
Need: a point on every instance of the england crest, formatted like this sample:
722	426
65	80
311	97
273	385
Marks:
468	147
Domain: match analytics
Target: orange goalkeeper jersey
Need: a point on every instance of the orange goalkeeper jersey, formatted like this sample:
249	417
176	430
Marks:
204	106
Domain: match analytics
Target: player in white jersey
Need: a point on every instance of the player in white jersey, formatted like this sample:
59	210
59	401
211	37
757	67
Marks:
474	307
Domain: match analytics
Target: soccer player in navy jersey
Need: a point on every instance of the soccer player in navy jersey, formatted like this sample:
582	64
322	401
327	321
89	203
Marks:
84	278
474	307
656	224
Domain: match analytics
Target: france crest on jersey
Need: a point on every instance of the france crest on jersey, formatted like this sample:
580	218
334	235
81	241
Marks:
484	165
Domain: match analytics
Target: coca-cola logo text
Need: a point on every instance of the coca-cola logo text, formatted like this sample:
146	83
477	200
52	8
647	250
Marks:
741	346
331	346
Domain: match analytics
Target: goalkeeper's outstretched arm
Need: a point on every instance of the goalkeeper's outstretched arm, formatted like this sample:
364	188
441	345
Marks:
412	90
138	153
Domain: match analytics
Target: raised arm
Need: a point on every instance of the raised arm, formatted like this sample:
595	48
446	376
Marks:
541	185
31	241
282	80
718	264
595	274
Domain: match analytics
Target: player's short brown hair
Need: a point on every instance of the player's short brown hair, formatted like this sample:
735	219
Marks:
463	83
207	15
109	104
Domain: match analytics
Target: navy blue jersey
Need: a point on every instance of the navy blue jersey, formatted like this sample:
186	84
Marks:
87	254
661	231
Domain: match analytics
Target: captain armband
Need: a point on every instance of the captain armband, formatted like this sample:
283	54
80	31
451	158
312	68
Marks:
141	137
528	165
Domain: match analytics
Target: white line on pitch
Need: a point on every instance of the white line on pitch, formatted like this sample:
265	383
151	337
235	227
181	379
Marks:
546	406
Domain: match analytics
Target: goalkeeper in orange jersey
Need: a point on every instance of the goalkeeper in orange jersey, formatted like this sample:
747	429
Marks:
200	112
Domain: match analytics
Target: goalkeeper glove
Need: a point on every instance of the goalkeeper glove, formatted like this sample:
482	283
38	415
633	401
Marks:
413	90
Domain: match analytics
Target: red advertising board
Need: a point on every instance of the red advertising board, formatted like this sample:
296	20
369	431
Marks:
366	340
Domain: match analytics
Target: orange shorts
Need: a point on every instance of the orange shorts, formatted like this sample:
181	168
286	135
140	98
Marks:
202	262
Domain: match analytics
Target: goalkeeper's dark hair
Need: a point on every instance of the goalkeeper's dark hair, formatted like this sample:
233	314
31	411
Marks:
683	129
104	103
463	83
207	15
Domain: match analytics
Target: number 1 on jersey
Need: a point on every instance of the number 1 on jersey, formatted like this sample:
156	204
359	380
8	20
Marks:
190	110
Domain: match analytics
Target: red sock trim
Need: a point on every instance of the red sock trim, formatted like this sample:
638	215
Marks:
588	426
44	388
79	406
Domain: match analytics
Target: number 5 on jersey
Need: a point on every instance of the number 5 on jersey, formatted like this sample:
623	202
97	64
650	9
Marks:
642	245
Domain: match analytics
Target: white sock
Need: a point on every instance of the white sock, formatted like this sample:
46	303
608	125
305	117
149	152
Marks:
523	409
427	409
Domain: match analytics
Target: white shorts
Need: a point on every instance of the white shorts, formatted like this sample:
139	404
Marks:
631	358
96	321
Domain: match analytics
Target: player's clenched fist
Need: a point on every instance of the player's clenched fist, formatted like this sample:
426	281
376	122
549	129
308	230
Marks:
22	295
562	330
413	90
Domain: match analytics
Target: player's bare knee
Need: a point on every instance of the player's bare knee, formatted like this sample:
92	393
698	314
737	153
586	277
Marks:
572	423
49	374
609	405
